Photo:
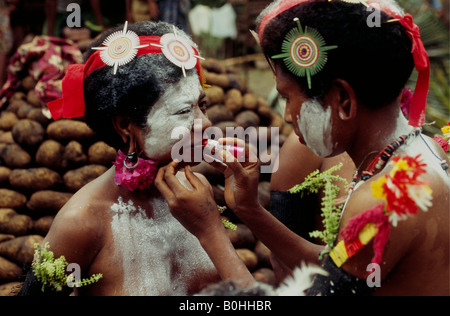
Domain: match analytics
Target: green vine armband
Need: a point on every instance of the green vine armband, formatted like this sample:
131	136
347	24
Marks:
51	272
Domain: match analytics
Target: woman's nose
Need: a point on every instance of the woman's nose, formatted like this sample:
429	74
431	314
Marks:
201	122
206	123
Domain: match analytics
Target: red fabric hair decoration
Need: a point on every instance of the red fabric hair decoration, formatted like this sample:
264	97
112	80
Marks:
119	49
422	64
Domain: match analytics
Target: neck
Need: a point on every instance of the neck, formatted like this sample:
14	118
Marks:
376	129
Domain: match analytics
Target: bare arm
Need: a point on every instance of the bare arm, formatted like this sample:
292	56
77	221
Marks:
75	234
241	194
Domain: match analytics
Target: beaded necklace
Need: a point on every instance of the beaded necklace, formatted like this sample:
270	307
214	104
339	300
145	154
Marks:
382	158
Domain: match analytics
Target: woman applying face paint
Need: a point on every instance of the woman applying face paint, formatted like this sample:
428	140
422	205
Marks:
342	80
138	83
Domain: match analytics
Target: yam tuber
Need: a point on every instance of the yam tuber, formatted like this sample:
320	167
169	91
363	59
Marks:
48	202
34	178
265	275
76	179
69	130
215	95
20	249
242	237
101	153
50	154
11	199
234	100
246	119
27	132
13	223
14	156
9	270
248	257
219	113
7	120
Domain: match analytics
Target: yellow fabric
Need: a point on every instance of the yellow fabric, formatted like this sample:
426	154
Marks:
339	253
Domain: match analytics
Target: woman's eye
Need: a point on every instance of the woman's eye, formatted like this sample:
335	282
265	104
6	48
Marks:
184	111
203	105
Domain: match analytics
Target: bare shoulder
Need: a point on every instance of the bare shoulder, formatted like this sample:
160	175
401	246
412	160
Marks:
77	231
419	211
433	158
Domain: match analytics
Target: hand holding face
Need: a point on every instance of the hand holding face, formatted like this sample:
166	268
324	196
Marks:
195	209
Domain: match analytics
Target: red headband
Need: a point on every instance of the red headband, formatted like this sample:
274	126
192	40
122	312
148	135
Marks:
275	11
421	61
72	105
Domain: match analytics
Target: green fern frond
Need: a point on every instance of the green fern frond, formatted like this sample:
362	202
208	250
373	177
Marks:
88	281
330	212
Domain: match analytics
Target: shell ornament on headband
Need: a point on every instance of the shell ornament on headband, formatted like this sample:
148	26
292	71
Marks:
178	51
120	48
304	52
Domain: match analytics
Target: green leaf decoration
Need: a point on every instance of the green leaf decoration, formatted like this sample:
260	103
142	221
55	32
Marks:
304	52
227	224
51	272
331	213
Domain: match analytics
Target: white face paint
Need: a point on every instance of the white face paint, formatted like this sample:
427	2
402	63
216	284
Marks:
314	123
175	108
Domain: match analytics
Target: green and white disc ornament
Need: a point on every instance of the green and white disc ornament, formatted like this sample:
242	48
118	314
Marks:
304	52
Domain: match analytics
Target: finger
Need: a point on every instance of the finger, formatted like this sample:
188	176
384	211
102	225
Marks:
162	186
232	163
171	178
192	178
212	161
251	154
231	141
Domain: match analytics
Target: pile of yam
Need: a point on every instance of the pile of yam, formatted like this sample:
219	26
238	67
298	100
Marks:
44	162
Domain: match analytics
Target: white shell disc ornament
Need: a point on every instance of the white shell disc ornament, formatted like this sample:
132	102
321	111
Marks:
178	51
120	48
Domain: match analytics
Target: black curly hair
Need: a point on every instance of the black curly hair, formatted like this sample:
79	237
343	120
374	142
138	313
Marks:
134	89
376	61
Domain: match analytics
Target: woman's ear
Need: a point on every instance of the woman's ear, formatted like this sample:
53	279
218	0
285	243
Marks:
345	98
122	125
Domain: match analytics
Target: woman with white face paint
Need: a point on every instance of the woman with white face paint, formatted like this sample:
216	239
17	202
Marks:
342	80
139	82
